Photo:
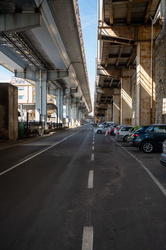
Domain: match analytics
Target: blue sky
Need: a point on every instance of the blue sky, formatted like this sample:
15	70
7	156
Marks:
88	15
5	75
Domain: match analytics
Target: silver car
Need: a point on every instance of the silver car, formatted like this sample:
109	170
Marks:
123	132
101	130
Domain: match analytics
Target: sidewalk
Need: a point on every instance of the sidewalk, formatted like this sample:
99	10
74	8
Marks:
10	143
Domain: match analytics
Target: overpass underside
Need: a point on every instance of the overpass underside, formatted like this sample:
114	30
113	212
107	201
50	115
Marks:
41	42
126	75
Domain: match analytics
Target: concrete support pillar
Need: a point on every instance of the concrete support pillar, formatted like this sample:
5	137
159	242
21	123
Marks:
9	112
59	104
116	109
81	115
77	114
41	97
109	113
73	115
134	99
143	84
68	110
126	100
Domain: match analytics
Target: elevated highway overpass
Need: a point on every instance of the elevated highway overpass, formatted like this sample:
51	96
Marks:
41	41
125	86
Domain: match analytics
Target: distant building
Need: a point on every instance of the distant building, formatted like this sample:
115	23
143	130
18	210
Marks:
26	101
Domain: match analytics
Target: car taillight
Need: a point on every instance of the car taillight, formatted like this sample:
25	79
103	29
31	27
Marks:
135	135
118	133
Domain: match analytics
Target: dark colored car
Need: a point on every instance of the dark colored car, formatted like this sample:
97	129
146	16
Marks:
150	138
135	134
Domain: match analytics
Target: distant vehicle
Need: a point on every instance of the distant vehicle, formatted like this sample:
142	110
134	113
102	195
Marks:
163	155
110	130
152	138
123	132
105	123
101	130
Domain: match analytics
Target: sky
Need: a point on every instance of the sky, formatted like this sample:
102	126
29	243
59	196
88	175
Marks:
5	75
88	16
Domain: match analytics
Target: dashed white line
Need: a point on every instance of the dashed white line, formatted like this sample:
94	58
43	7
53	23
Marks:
93	147
87	239
92	157
90	179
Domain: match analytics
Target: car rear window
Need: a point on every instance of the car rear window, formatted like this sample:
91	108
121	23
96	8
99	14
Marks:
159	129
125	128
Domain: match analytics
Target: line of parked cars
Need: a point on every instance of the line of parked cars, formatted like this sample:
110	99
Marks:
146	138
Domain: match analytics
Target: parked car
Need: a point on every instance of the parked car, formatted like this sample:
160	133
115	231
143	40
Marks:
135	134
110	130
150	138
101	130
105	123
163	155
131	132
123	132
117	128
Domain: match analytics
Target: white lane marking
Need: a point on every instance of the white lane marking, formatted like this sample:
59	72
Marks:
87	239
90	179
146	169
93	142
93	147
33	156
92	157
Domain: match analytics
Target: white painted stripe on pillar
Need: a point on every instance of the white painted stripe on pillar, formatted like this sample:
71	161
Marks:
87	239
90	179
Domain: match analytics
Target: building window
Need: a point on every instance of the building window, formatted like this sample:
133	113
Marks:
20	97
20	88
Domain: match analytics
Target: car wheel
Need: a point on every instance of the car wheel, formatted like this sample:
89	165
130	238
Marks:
147	147
125	138
99	131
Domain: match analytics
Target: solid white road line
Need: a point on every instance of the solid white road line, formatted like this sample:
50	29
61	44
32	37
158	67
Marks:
90	179
33	156
87	239
92	157
145	168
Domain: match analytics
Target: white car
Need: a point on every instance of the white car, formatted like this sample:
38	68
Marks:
104	124
123	132
101	130
116	129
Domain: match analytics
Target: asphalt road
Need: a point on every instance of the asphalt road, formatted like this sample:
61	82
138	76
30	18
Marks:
80	190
